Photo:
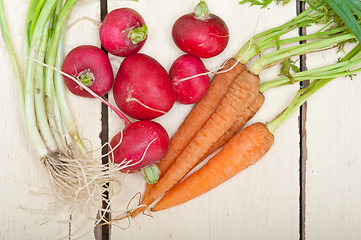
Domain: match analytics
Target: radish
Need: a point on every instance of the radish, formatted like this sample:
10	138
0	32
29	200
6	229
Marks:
143	143
123	32
200	33
91	66
189	89
139	146
142	88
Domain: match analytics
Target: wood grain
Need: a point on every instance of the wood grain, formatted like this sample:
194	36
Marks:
278	198
260	203
27	203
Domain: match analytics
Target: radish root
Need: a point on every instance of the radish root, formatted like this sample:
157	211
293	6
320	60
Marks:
92	20
131	98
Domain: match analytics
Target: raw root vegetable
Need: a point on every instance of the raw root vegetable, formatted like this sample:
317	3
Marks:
66	159
189	78
142	88
123	32
230	107
141	144
331	35
198	116
201	111
242	119
91	66
76	178
244	149
135	148
252	143
200	33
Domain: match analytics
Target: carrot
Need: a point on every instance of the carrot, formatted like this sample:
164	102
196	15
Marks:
252	143
237	125
240	95
201	112
198	116
243	150
271	38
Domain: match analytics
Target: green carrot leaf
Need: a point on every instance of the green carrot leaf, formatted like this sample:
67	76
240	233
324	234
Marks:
287	66
264	3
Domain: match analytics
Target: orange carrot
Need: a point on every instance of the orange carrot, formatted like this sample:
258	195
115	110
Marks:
201	112
198	116
237	125
243	150
240	95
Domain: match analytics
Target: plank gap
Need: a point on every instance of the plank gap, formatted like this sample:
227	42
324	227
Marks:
302	134
104	136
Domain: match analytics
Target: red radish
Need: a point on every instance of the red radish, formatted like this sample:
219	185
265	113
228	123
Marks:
90	66
189	90
143	144
200	33
123	32
142	88
139	146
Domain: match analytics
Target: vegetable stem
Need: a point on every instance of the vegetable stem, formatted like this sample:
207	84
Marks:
276	56
151	174
325	72
136	35
30	116
39	94
303	19
27	36
303	94
13	58
201	10
54	86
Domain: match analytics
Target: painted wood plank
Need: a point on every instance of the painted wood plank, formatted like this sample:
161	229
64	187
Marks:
333	166
260	203
86	111
26	202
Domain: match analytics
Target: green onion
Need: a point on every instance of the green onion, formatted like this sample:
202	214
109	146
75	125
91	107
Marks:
77	179
342	8
30	117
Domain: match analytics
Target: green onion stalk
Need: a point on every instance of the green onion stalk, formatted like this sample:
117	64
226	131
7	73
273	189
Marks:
76	178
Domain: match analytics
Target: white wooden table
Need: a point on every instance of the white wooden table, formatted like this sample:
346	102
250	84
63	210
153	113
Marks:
307	189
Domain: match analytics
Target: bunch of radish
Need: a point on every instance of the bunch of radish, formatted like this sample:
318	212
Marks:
142	87
199	34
